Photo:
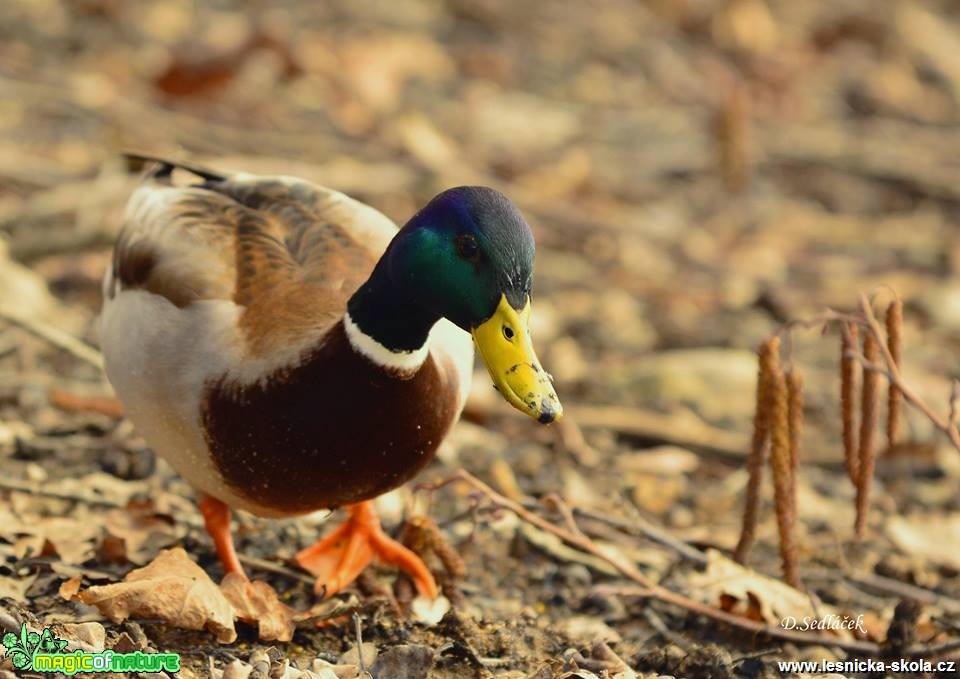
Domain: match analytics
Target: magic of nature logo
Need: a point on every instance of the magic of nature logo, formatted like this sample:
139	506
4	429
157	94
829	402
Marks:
43	652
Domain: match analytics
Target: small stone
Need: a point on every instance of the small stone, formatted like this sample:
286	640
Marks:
91	634
407	661
584	629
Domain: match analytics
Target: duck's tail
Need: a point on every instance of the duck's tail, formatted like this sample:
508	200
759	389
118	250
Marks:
164	167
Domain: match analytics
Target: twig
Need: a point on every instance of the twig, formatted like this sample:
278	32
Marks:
580	541
893	373
56	337
934	650
556	502
904	590
647	588
270	567
358	632
795	636
638	524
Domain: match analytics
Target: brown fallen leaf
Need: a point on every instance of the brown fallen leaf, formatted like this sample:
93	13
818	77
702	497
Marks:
745	592
15	588
171	588
142	530
66	537
70	587
257	602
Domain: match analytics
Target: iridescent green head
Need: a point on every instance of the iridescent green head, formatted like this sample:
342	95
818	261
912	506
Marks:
466	256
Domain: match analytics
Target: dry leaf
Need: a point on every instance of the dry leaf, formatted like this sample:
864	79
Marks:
257	602
929	536
68	538
143	531
15	588
750	594
69	588
172	588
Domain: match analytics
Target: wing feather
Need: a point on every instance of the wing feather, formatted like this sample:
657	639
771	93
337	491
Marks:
288	252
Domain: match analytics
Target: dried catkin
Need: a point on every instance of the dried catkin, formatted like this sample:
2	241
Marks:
732	130
782	468
795	414
422	535
869	398
848	398
795	407
895	345
769	361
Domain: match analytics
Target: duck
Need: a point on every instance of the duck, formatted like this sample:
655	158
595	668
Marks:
287	348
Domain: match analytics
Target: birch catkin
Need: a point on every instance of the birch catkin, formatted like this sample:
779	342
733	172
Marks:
869	398
848	398
795	416
782	467
895	345
769	360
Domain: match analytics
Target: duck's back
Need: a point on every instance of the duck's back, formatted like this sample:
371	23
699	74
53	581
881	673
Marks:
231	278
287	253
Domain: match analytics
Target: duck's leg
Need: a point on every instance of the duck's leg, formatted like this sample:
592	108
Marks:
338	558
216	517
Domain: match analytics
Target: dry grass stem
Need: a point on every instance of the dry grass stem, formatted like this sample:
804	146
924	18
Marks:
894	321
782	467
849	369
869	399
769	360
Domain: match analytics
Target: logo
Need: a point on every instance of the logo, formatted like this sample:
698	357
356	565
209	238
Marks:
43	652
23	649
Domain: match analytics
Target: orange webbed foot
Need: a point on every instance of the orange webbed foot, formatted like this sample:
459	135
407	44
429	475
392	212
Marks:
338	558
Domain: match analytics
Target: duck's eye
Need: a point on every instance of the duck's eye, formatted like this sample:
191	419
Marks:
467	247
508	332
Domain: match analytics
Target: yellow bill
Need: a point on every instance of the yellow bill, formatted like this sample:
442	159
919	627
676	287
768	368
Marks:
505	347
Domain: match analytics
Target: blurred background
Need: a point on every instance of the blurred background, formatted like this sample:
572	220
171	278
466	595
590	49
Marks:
696	172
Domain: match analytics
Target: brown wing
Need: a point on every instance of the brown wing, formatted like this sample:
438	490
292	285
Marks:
289	252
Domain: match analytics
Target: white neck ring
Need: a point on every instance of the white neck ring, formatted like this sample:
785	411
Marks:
363	344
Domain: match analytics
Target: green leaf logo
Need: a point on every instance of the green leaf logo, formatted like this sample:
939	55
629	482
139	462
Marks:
21	649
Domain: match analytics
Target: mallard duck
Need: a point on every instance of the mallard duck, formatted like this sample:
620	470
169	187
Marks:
287	349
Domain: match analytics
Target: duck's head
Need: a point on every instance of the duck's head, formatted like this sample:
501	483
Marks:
468	257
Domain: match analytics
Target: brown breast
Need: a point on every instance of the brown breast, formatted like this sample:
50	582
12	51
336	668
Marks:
333	431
